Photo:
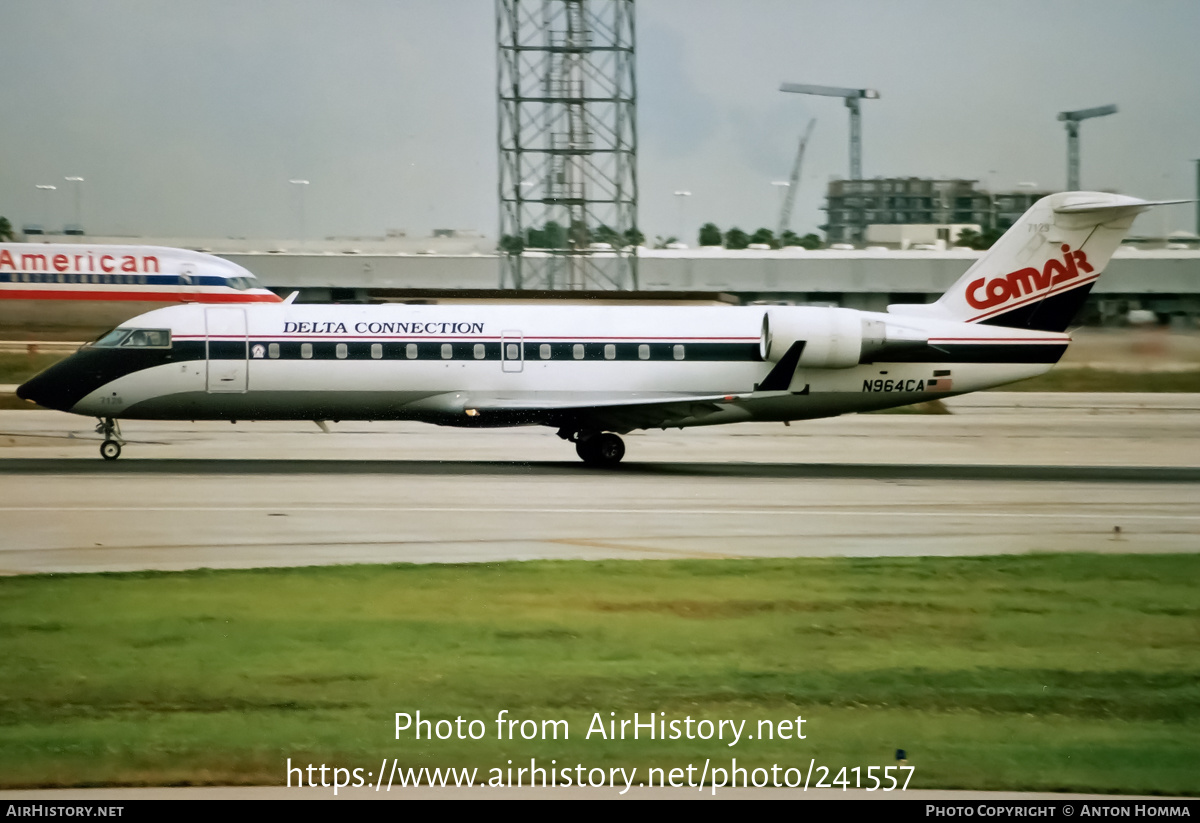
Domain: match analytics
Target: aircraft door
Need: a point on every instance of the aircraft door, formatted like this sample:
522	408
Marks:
225	349
189	282
512	351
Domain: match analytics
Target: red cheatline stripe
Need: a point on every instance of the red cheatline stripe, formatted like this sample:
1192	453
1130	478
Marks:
137	296
1037	340
528	340
449	337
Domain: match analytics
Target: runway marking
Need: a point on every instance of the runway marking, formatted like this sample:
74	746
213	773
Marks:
790	512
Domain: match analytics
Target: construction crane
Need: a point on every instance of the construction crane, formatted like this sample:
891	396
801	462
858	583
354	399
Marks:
1072	119
851	96
789	198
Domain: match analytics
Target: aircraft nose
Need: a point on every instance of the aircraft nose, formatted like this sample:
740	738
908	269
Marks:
51	389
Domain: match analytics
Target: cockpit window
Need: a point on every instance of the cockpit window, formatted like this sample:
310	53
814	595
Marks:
148	339
111	339
135	339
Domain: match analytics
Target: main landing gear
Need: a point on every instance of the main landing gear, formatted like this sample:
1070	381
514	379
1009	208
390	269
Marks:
110	449
596	448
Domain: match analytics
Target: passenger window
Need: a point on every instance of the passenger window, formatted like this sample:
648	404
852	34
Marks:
514	352
447	351
376	351
342	350
480	351
544	351
678	351
306	351
273	351
610	351
142	279
643	351
577	351
410	351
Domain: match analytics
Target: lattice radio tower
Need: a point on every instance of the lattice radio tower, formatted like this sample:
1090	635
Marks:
568	144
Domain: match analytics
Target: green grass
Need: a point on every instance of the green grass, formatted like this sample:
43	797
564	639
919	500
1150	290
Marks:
17	367
1096	380
1044	672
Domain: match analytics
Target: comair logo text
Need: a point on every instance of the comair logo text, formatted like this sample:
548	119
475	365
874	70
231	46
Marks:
1027	281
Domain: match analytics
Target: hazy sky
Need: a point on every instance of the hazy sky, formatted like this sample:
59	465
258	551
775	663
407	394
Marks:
188	117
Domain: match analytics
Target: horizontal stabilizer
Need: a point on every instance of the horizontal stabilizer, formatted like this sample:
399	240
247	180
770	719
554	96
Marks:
1128	202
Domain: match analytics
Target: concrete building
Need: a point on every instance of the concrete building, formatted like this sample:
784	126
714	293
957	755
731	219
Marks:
853	205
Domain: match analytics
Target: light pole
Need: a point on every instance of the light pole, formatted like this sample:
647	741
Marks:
682	196
78	201
47	189
303	184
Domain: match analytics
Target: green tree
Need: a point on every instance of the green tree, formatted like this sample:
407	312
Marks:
735	238
511	244
968	237
551	236
765	236
980	241
810	241
634	237
6	229
710	235
604	234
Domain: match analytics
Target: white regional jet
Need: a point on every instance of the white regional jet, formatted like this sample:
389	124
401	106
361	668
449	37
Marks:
596	372
54	286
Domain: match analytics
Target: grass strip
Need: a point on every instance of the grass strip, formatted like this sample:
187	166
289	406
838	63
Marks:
1070	379
1040	672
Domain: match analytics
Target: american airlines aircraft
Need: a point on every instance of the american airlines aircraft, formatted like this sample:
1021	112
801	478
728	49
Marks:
594	373
66	286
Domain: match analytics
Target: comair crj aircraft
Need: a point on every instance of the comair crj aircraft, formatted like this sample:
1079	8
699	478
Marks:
594	373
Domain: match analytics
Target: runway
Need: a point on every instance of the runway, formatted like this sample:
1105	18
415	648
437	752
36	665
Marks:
1004	473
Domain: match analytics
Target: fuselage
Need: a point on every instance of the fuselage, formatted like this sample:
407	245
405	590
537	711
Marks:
596	368
77	291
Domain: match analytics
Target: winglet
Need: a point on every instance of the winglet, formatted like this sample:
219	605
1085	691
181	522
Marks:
780	377
291	298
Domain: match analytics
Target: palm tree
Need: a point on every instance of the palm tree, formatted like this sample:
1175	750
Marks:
6	229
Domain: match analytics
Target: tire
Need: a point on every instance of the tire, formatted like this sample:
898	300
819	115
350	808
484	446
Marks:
586	449
110	449
601	450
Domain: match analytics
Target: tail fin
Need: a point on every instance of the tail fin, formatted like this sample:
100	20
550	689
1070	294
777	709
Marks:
1038	275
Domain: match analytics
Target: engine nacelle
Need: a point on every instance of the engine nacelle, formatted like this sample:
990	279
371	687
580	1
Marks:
834	338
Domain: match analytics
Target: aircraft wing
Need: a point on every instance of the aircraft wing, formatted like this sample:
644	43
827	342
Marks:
614	412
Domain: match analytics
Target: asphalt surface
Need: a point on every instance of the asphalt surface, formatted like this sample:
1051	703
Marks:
1004	473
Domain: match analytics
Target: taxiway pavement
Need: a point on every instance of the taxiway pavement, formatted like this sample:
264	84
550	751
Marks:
1006	472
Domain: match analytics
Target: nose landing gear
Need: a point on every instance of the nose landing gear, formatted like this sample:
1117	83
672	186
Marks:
110	449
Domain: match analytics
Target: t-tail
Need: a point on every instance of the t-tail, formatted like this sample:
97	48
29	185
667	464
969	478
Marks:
1038	275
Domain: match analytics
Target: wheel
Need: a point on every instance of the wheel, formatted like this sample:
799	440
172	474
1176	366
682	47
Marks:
585	448
601	450
110	449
